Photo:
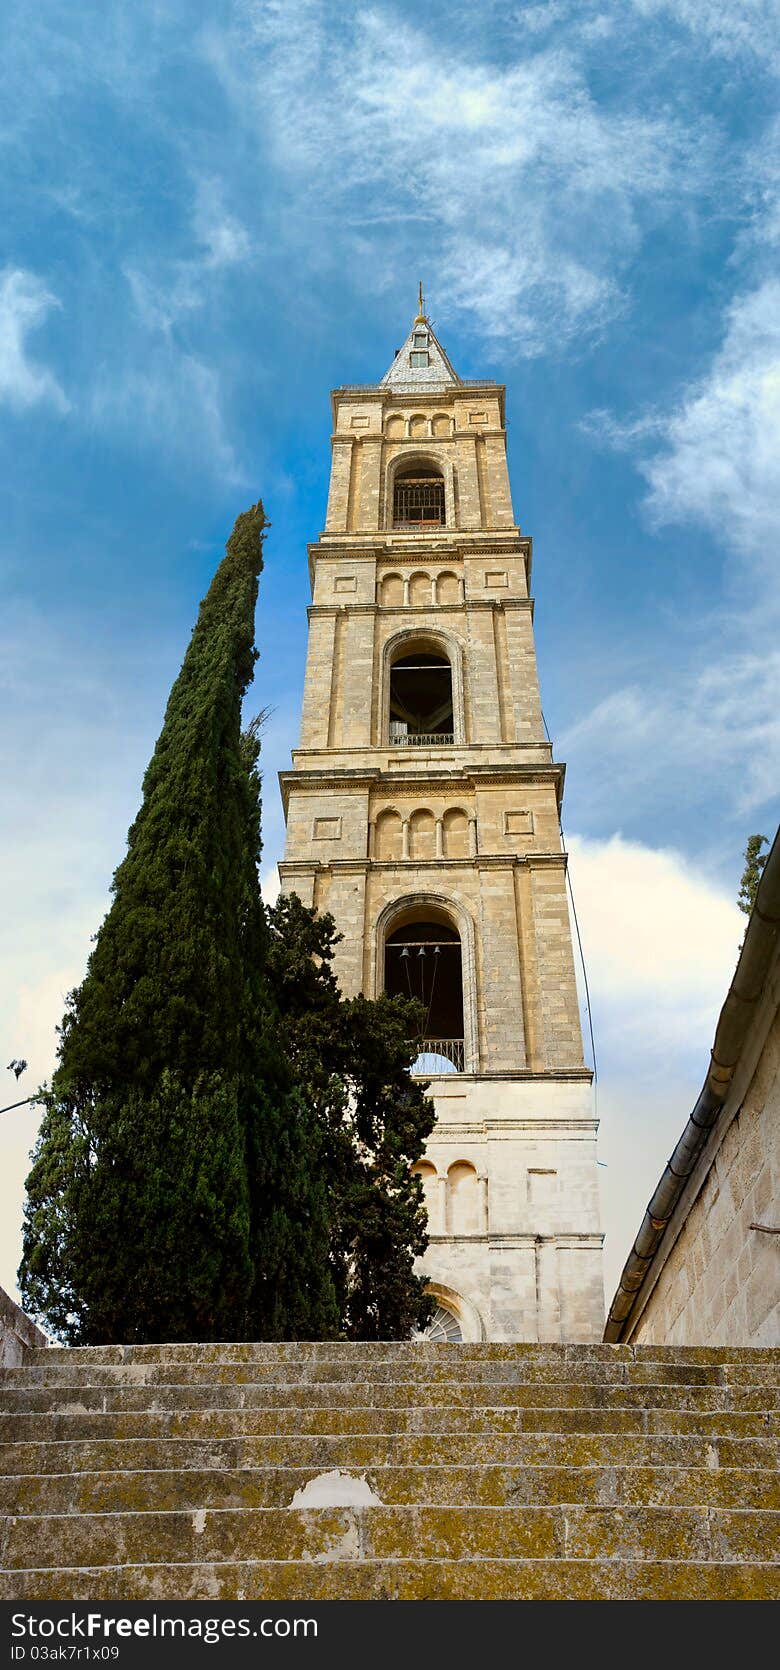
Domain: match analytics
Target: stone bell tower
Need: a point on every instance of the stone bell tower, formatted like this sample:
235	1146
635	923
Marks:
423	812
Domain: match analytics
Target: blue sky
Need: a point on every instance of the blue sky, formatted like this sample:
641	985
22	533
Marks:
215	214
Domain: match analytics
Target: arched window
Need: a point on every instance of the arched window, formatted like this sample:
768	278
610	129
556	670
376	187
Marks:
444	1327
421	700
463	1202
423	960
418	497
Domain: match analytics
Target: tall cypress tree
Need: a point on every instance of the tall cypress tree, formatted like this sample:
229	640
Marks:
352	1058
174	1192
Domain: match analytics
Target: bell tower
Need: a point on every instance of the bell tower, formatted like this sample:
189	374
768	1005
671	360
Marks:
423	812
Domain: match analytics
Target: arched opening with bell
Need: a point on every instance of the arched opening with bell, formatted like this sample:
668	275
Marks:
423	960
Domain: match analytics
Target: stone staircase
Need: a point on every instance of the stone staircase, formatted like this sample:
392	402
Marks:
314	1472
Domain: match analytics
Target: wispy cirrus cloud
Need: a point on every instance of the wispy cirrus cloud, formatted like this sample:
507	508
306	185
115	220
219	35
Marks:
25	302
164	289
714	456
527	194
173	399
703	733
719	462
733	29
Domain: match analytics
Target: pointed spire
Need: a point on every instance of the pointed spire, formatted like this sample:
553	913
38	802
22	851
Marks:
421	362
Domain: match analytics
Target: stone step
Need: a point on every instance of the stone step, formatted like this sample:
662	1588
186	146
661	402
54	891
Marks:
227	1423
406	1370
446	1449
434	1483
463	1579
205	1472
386	1533
356	1354
51	1401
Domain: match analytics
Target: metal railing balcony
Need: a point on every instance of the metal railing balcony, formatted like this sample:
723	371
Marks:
422	739
420	526
439	1055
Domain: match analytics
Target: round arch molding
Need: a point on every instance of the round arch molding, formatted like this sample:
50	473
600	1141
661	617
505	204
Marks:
468	1317
440	641
450	911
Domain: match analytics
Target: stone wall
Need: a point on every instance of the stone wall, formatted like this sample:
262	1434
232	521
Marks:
18	1335
719	1283
527	1257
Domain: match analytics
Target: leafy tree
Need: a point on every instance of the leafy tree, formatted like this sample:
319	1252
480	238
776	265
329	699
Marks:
751	875
351	1058
176	1190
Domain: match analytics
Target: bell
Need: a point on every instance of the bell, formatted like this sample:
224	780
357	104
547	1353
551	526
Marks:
436	950
421	952
405	951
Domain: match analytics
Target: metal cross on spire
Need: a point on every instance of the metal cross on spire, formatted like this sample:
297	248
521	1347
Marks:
420	320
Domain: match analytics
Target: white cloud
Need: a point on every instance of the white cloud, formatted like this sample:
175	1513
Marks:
175	401
713	459
24	305
269	885
704	734
730	27
720	462
524	195
165	290
661	943
173	395
704	729
223	238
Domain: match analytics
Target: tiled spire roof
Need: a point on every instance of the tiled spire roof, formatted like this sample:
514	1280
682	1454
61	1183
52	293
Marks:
421	362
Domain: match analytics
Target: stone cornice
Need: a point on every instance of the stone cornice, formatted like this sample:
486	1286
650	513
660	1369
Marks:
371	541
476	861
326	780
564	1238
485	603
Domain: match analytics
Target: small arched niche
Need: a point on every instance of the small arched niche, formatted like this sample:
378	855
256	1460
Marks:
422	835
463	1198
441	425
418	496
418	427
395	428
428	1176
391	592
448	588
420	590
388	836
456	833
